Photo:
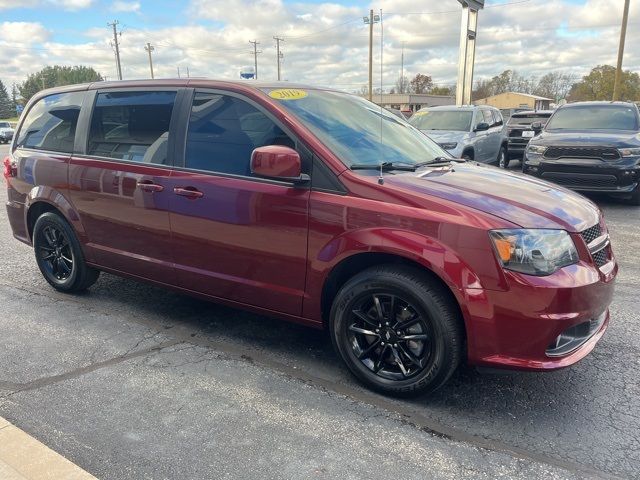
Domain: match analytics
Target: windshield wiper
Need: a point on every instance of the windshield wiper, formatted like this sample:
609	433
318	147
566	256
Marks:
439	161
384	166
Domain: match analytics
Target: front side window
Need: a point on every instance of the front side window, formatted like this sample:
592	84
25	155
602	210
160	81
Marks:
459	121
223	132
132	126
51	123
595	117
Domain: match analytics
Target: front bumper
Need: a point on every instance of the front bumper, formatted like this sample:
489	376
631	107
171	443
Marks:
540	323
587	175
6	136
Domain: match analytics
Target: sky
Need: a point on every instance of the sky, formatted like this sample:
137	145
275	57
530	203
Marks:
324	43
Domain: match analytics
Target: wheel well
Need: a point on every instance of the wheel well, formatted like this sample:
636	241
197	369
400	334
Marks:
35	211
469	152
353	265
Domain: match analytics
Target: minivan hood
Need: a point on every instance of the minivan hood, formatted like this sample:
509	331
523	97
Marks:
515	197
601	138
444	136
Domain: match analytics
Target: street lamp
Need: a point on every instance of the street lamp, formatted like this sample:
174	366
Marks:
467	55
370	20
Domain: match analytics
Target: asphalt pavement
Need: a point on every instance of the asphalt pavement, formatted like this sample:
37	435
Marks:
130	381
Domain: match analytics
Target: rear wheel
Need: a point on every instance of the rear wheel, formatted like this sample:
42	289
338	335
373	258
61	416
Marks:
397	331
59	255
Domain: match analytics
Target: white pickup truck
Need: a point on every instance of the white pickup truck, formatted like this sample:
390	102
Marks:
6	132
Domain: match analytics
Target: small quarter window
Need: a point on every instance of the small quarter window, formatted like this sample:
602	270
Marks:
132	126
51	123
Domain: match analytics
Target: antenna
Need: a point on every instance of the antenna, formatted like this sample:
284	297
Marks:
381	178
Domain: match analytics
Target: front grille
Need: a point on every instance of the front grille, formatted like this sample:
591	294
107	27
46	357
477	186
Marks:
591	233
581	179
605	153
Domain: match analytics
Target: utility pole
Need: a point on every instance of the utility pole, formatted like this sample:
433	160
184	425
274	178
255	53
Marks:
187	72
116	46
278	54
467	55
402	85
149	48
178	72
255	52
370	20
623	35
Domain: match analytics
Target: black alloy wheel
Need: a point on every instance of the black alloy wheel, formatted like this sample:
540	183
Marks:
59	256
397	329
390	336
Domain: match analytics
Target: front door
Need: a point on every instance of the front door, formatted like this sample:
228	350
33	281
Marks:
119	186
236	236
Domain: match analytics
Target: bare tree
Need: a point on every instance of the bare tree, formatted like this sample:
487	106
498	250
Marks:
402	85
555	85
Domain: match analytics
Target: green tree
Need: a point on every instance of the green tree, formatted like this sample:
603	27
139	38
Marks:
598	85
420	84
441	91
6	106
56	76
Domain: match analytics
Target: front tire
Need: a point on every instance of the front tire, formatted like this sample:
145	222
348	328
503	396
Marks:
503	160
59	256
398	331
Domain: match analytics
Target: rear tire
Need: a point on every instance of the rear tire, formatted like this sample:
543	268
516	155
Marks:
414	334
59	256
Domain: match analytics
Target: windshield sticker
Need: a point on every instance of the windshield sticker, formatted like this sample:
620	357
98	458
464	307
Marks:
288	94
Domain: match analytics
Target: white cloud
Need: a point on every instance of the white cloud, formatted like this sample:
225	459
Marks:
327	44
121	6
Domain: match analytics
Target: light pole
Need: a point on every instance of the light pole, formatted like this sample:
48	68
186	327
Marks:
370	20
623	34
467	55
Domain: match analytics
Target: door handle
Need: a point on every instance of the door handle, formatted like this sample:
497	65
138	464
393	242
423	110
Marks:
147	186
189	192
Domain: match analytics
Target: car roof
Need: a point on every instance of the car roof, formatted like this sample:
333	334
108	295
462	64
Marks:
462	108
600	103
532	112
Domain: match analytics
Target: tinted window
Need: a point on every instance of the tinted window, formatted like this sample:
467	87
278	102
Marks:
442	120
51	123
595	117
5	125
132	126
224	130
529	119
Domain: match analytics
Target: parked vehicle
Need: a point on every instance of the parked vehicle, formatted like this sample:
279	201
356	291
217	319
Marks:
470	132
590	147
397	113
6	132
520	130
318	207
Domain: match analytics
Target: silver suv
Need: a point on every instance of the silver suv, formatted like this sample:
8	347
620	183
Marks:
472	132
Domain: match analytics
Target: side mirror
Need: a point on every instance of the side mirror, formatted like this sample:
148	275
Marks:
536	126
278	162
482	127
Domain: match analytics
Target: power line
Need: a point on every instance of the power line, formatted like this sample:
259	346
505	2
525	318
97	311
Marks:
117	47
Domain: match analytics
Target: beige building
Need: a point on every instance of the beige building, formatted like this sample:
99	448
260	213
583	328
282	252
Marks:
411	101
509	100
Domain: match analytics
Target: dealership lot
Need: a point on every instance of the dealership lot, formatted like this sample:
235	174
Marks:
130	381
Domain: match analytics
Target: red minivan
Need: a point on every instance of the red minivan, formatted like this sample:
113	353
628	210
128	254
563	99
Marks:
318	207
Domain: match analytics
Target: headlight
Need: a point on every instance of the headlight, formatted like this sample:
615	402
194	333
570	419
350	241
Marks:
536	149
629	152
448	146
534	252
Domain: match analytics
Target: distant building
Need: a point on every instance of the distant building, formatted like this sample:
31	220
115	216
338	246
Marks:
516	100
411	102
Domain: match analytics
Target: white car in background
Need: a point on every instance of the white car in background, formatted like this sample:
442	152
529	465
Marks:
6	132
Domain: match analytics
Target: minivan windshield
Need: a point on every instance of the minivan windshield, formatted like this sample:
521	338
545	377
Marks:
459	121
353	128
595	117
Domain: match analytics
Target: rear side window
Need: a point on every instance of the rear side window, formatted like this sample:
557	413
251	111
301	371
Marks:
498	121
132	126
51	123
224	130
488	117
